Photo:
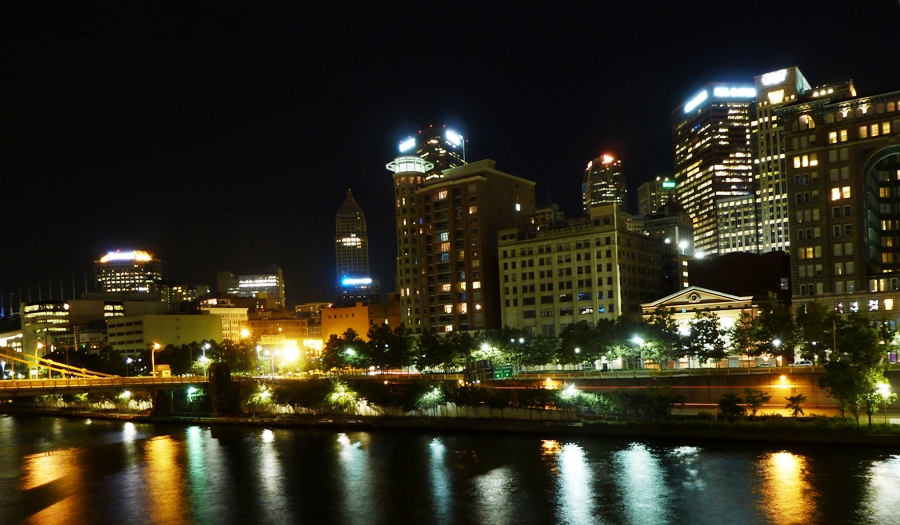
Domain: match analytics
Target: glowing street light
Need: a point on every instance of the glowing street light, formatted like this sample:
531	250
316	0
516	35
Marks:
885	390
156	346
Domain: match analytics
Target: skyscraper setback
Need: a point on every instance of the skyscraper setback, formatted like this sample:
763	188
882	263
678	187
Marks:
713	155
352	256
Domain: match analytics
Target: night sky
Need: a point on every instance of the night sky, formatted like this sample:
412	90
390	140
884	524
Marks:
225	136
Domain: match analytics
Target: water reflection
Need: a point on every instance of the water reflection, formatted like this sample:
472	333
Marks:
441	493
53	477
271	480
784	490
355	480
164	481
575	485
883	499
643	484
493	494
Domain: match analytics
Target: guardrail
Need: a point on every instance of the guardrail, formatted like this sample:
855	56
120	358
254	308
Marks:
77	382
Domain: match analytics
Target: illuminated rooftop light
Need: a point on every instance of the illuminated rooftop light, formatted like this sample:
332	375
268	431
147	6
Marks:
607	159
407	145
133	255
347	281
453	137
696	101
408	164
775	77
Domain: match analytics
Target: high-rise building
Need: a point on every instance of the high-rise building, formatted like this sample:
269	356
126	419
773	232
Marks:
583	269
442	147
603	183
738	227
409	176
773	90
447	267
654	194
354	283
843	172
713	155
130	271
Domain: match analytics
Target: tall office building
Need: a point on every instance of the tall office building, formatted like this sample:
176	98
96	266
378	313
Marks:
654	194
441	147
603	183
713	155
843	171
773	90
447	261
130	271
354	283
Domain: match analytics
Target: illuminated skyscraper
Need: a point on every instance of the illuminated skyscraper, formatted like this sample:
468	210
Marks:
603	183
131	271
352	256
713	155
773	90
442	147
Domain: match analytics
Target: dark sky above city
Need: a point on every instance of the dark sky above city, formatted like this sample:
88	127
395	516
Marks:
225	136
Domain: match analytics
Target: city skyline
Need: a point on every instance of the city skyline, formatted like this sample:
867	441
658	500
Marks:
215	138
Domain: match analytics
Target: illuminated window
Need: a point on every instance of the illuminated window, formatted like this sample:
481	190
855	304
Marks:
863	132
873	130
462	308
442	195
448	308
444	236
832	137
888	304
476	285
843	135
473	209
444	247
885	128
445	287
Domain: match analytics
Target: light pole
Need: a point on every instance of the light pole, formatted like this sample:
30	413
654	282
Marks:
640	343
128	361
2	370
258	348
153	350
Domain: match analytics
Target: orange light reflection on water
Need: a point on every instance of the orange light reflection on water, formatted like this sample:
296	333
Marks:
165	482
55	472
786	496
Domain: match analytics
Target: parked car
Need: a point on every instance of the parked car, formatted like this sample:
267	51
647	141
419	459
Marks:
802	362
767	364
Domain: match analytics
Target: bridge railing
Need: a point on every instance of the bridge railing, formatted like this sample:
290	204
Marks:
76	382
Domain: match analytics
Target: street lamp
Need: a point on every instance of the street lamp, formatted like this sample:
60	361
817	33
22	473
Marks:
153	349
885	390
128	361
640	342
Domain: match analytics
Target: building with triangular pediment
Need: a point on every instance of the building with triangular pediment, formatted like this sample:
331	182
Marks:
684	304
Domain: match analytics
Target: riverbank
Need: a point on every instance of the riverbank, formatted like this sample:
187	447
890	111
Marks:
805	431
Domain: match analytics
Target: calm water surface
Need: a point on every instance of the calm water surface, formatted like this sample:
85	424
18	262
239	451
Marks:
55	470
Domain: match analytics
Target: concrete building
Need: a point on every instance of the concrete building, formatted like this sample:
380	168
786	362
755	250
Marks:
53	325
603	183
585	269
652	195
134	334
843	169
336	321
713	155
129	271
354	283
234	319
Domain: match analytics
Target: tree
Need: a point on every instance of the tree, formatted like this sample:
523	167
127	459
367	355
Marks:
340	352
388	349
774	323
755	399
707	338
621	339
730	407
815	324
794	403
664	337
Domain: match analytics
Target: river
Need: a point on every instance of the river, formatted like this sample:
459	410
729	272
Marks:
73	471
